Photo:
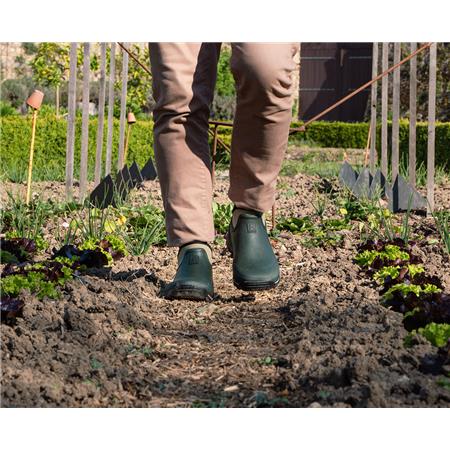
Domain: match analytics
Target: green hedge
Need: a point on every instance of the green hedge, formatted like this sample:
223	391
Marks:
15	134
50	147
354	135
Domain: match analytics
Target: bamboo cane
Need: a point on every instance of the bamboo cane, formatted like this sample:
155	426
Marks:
131	119
30	162
35	102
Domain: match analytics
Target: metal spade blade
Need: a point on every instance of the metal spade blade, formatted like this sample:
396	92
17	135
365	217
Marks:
135	173
361	188
403	197
148	172
122	184
102	196
378	185
347	175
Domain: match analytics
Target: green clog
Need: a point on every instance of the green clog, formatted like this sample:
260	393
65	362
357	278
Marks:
255	266
193	280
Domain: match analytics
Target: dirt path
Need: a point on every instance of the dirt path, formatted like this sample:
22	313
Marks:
320	339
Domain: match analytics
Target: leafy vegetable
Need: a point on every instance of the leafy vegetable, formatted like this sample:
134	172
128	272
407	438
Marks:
21	248
390	253
437	333
10	307
33	281
405	289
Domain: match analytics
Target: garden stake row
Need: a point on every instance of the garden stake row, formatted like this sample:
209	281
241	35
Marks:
399	191
398	194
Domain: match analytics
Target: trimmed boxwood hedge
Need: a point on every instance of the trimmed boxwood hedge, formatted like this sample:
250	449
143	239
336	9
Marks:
50	146
354	135
15	134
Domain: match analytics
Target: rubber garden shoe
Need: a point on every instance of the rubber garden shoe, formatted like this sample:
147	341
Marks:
193	279
255	266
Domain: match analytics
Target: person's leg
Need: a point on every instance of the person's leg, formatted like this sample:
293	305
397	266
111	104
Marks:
263	74
184	76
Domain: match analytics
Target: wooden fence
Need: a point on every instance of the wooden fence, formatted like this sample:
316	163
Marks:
385	64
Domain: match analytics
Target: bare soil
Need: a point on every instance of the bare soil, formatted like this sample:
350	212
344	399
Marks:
321	338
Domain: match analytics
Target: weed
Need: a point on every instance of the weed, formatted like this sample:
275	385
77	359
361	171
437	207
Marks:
442	220
222	214
95	364
444	382
143	228
19	220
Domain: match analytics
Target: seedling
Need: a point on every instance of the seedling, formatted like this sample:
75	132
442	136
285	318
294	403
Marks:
442	220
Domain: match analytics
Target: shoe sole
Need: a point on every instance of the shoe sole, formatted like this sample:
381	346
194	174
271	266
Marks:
185	293
249	285
255	286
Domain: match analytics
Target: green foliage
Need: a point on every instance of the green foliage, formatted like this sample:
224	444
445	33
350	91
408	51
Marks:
390	253
33	281
50	63
383	225
17	219
51	144
354	135
415	269
296	224
224	102
142	227
50	147
222	214
139	85
323	233
437	333
387	271
116	244
442	220
406	289
6	109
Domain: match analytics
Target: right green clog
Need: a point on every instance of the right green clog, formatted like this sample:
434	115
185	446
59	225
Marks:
255	266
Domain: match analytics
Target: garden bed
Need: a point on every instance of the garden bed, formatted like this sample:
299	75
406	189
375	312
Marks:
322	338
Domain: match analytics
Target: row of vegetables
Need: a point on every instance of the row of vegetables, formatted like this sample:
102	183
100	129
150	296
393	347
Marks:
46	278
405	287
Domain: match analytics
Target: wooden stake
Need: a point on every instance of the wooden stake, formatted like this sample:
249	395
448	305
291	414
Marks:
366	153
71	121
112	77
101	115
373	110
123	108
431	128
127	140
384	109
395	113
412	116
85	121
30	162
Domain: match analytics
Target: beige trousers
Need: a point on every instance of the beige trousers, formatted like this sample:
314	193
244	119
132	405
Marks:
184	76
